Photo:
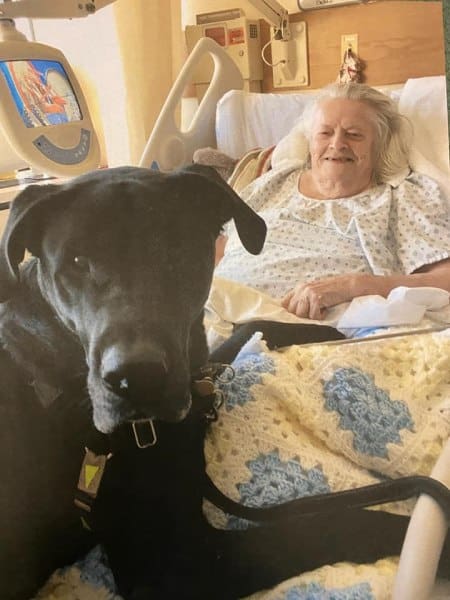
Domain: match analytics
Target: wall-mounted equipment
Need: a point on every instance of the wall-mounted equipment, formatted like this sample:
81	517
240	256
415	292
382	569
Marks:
288	45
276	15
44	118
50	9
43	112
290	58
313	4
240	38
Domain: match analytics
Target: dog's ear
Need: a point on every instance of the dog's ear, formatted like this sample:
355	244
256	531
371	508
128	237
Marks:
18	233
251	227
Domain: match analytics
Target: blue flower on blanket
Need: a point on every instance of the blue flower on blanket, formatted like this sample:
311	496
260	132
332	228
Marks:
366	410
95	570
314	591
274	481
247	372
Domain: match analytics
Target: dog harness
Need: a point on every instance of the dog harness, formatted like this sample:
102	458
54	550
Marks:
206	399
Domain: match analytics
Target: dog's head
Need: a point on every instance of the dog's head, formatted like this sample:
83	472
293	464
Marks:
125	260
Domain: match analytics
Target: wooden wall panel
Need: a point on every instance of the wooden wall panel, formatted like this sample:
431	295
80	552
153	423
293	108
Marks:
397	39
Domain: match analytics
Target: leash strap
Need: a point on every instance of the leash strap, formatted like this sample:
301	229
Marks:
404	488
362	497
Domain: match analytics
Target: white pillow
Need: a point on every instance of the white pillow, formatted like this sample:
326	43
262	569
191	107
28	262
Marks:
424	102
293	147
246	120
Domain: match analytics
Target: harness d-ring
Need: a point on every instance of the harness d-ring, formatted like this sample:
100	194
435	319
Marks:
139	430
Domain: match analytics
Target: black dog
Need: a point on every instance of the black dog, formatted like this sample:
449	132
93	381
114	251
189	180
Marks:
113	296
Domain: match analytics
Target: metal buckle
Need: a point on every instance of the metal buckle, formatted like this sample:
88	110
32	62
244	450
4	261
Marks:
204	387
137	425
228	373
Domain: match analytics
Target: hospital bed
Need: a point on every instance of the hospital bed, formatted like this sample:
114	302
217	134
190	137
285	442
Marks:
235	122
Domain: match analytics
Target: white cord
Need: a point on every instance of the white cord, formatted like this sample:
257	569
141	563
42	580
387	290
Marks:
32	32
280	62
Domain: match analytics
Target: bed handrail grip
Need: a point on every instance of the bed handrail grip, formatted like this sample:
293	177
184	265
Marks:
167	145
424	540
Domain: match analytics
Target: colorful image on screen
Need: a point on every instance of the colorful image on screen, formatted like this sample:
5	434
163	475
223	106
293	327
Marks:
41	91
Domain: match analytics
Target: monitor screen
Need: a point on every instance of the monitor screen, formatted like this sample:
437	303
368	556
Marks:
41	91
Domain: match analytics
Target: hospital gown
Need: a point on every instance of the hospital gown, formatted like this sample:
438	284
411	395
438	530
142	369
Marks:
382	230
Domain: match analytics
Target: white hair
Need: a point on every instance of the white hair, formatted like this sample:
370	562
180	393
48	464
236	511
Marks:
393	131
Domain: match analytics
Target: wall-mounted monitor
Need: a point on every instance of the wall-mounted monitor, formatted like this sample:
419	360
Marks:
43	112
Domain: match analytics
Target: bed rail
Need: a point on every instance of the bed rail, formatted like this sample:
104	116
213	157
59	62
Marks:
423	541
168	147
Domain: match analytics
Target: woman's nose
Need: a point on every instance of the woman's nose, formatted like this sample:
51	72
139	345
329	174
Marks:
338	140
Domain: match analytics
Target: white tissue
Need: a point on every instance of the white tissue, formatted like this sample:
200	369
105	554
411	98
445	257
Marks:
430	297
403	306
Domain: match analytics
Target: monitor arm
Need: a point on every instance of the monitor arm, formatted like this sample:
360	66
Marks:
276	15
50	9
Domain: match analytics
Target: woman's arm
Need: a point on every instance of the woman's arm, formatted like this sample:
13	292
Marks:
312	299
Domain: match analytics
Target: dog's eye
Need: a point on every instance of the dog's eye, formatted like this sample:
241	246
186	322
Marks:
81	263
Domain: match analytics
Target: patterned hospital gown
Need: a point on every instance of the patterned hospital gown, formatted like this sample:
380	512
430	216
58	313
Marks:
382	230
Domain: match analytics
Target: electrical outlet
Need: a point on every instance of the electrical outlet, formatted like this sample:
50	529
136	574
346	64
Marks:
349	40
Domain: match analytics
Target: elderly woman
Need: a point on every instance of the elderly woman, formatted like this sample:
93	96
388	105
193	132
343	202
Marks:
353	220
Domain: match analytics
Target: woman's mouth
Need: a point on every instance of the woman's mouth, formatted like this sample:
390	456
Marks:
339	159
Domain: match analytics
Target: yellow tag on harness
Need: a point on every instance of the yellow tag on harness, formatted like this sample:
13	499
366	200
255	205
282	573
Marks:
90	471
90	478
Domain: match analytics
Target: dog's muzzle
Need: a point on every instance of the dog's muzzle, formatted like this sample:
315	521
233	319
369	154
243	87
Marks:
129	374
136	384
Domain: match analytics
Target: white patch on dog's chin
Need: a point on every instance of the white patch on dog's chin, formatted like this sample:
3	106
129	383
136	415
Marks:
104	421
107	415
110	411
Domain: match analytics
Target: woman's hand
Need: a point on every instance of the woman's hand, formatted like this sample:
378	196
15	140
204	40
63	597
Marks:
310	300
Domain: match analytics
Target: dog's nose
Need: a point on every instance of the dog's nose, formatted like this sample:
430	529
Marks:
131	376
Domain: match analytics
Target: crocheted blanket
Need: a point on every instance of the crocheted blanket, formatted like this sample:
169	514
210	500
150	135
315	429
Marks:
314	419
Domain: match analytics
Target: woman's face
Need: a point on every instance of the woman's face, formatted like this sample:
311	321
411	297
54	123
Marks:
342	145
